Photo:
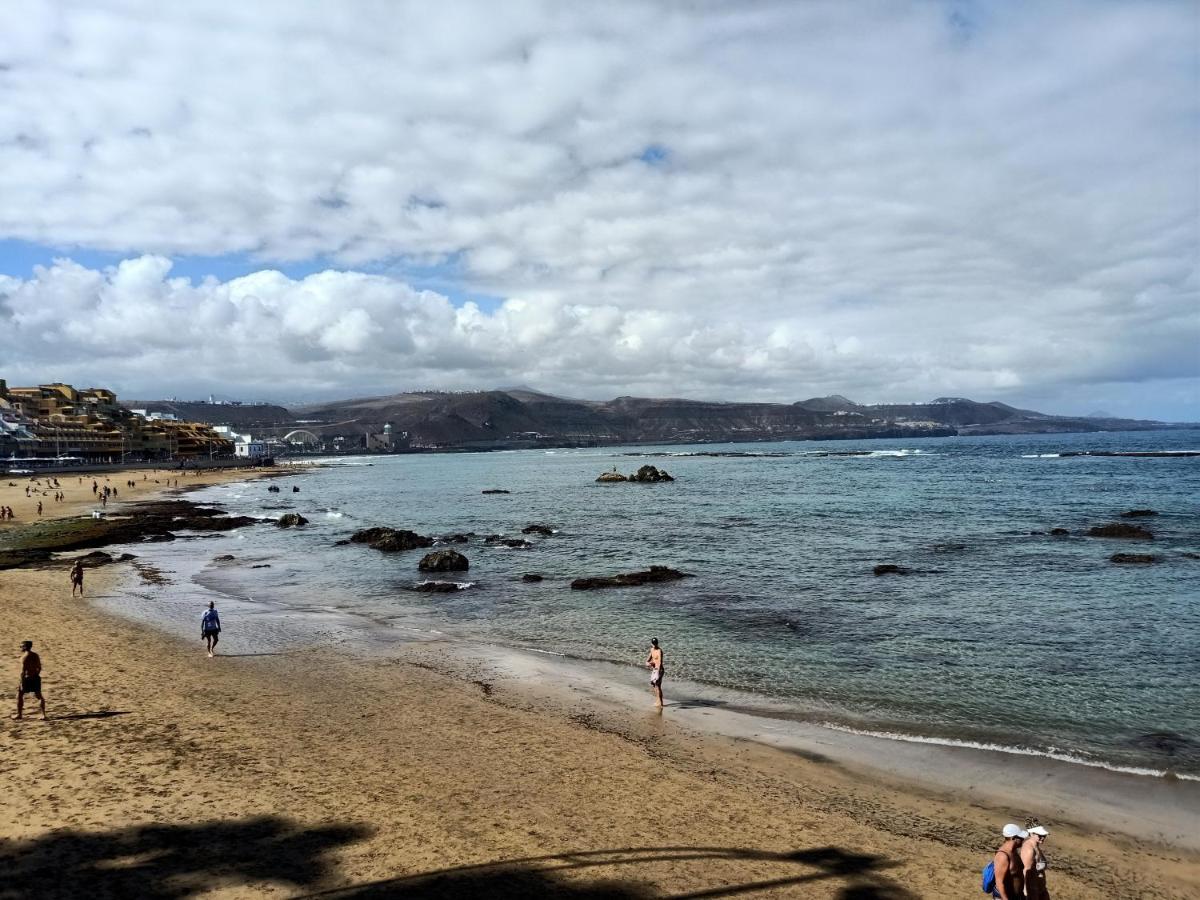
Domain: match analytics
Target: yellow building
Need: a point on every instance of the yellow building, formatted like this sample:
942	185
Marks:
90	423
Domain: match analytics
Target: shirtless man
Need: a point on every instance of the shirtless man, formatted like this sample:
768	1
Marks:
1010	881
654	662
31	679
77	578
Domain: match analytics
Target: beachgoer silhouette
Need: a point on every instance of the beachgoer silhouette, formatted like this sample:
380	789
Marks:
31	679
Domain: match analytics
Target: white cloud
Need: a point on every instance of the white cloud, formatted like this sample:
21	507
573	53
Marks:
894	200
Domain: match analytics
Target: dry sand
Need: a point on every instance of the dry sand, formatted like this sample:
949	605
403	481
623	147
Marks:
165	774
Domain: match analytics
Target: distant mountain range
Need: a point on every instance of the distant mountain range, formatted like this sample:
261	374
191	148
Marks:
520	417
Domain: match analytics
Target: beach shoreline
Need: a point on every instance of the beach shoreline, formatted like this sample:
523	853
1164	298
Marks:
527	734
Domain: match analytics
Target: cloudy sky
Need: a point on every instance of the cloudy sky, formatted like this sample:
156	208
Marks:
751	200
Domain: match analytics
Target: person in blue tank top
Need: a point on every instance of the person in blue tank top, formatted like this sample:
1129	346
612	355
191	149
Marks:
210	628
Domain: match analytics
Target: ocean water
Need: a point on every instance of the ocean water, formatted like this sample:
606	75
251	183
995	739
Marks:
998	637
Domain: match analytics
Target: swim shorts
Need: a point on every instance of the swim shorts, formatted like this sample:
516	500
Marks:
656	676
31	684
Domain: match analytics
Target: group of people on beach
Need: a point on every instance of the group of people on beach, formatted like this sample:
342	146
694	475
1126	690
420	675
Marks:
1018	869
6	513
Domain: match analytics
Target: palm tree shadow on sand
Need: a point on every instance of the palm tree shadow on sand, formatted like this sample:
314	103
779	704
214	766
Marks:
170	862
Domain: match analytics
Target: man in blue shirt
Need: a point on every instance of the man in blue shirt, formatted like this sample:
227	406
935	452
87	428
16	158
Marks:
210	628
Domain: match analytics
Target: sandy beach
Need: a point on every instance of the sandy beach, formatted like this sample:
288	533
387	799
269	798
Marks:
308	772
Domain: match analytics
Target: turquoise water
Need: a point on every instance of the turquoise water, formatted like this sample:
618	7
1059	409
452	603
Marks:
997	637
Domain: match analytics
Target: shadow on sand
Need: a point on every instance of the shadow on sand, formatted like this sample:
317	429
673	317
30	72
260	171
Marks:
101	714
171	862
615	875
167	862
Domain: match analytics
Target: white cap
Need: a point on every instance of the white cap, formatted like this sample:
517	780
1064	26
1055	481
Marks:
1039	830
1015	831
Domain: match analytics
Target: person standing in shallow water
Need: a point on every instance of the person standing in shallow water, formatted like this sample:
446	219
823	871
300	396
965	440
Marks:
210	628
654	662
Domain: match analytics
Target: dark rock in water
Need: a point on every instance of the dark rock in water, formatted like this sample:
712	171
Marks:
401	540
651	474
452	539
226	557
1133	558
532	578
890	569
1139	513
94	559
341	543
1188	554
494	491
948	548
538	529
444	561
516	543
612	476
370	535
295	490
390	540
158	538
126	557
1121	530
1037	532
261	566
291	520
438	587
274	489
630	579
1059	532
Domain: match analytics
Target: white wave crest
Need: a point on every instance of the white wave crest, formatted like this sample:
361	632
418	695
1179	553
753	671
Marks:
1050	753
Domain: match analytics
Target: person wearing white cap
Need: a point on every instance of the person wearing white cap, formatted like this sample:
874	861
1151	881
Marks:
1009	883
1033	862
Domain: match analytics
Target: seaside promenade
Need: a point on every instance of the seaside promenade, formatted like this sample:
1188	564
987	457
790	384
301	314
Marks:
305	773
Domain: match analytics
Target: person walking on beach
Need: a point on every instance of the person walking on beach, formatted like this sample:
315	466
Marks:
654	662
1010	883
77	578
210	628
31	679
1033	862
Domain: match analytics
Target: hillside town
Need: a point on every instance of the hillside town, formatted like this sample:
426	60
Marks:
58	422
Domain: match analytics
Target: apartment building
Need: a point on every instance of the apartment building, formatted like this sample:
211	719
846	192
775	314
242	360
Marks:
91	424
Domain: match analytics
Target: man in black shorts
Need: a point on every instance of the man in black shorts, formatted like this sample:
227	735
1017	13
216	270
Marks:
31	679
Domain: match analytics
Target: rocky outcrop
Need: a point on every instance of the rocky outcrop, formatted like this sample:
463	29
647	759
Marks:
614	475
224	557
291	520
1139	513
390	540
1137	559
650	475
1121	530
452	539
889	569
438	587
532	578
515	543
1059	532
630	579
444	561
538	529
